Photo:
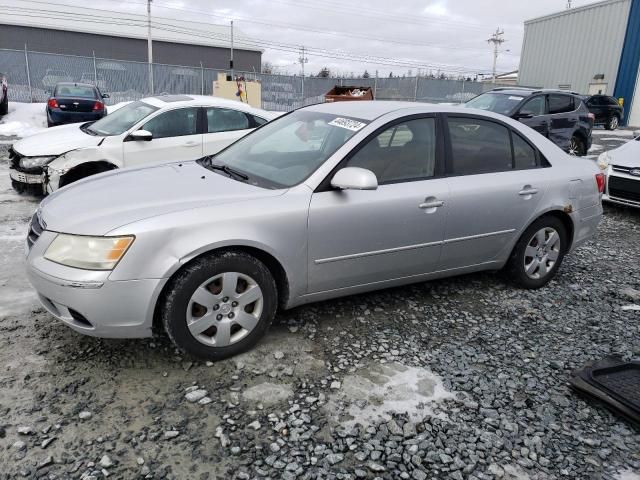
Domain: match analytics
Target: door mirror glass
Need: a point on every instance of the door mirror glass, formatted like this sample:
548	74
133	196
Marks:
354	178
141	135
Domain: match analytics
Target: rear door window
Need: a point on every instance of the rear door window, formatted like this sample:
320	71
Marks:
226	120
561	104
479	146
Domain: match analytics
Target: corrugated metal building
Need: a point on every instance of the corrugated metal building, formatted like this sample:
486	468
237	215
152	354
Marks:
591	49
65	29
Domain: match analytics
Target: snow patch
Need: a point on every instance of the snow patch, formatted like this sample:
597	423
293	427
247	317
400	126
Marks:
375	393
613	133
25	119
627	475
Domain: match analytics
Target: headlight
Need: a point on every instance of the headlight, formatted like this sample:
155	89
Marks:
32	162
89	253
603	161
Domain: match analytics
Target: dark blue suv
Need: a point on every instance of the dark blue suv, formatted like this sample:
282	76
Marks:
560	116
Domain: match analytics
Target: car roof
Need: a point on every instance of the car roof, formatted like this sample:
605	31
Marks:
371	110
524	91
162	101
74	84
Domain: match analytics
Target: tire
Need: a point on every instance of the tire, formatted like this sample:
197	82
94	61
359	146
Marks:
525	269
613	123
210	280
577	146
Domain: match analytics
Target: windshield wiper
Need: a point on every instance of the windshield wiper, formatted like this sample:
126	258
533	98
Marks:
228	170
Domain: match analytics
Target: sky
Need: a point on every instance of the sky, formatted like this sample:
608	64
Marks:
430	35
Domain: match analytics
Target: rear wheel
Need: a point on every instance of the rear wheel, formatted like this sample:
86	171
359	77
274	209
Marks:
538	253
577	146
220	305
613	123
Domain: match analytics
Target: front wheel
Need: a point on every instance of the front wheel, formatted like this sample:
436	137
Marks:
577	146
538	253
220	305
613	123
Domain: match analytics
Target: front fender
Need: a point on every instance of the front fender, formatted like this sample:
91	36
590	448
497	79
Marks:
67	161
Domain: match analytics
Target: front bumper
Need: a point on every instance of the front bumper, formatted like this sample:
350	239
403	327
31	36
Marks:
621	187
87	301
27	182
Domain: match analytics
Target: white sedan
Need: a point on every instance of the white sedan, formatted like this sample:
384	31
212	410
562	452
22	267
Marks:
153	130
622	169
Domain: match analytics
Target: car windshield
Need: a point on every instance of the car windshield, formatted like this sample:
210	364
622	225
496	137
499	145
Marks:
121	120
495	102
75	91
286	151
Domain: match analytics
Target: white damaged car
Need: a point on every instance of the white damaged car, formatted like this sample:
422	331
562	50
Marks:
622	172
153	130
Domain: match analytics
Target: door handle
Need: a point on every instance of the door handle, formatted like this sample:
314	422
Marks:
191	144
431	204
527	191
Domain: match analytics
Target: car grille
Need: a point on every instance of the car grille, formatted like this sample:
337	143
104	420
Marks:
35	230
624	188
619	168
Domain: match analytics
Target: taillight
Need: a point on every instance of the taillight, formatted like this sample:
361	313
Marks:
600	181
98	106
592	117
52	103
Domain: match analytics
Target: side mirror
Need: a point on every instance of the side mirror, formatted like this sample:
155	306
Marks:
140	136
636	134
354	178
523	115
105	95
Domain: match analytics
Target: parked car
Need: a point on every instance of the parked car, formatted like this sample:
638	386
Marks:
606	110
395	193
560	116
4	94
150	131
52	77
622	169
74	103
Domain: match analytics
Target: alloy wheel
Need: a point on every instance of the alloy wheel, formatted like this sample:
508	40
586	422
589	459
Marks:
224	309
542	253
574	147
614	123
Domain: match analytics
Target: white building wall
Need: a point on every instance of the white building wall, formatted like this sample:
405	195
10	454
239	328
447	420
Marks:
569	48
634	105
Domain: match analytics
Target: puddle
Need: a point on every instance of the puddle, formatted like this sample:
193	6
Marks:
375	393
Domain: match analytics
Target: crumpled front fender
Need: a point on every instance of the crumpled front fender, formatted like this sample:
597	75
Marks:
67	161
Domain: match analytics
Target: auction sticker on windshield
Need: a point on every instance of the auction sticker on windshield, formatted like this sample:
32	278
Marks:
347	123
516	98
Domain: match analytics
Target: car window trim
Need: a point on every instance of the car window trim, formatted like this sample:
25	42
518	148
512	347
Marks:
449	152
325	184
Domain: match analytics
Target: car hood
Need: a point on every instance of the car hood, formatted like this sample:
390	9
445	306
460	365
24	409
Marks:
56	141
628	155
102	203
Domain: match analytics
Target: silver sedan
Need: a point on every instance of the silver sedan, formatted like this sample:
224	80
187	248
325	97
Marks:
329	200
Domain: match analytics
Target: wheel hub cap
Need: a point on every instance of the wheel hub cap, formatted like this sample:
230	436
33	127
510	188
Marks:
224	309
542	253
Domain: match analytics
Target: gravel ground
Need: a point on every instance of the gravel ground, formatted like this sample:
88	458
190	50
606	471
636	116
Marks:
464	378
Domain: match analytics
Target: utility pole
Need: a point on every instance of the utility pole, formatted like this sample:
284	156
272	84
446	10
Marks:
302	59
568	4
149	46
231	59
497	40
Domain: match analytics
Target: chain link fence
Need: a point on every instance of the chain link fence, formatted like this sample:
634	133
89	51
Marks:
32	75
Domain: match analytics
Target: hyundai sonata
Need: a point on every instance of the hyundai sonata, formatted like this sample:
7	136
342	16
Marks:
329	200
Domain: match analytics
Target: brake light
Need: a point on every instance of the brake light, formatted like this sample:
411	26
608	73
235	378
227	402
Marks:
52	103
98	106
600	181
